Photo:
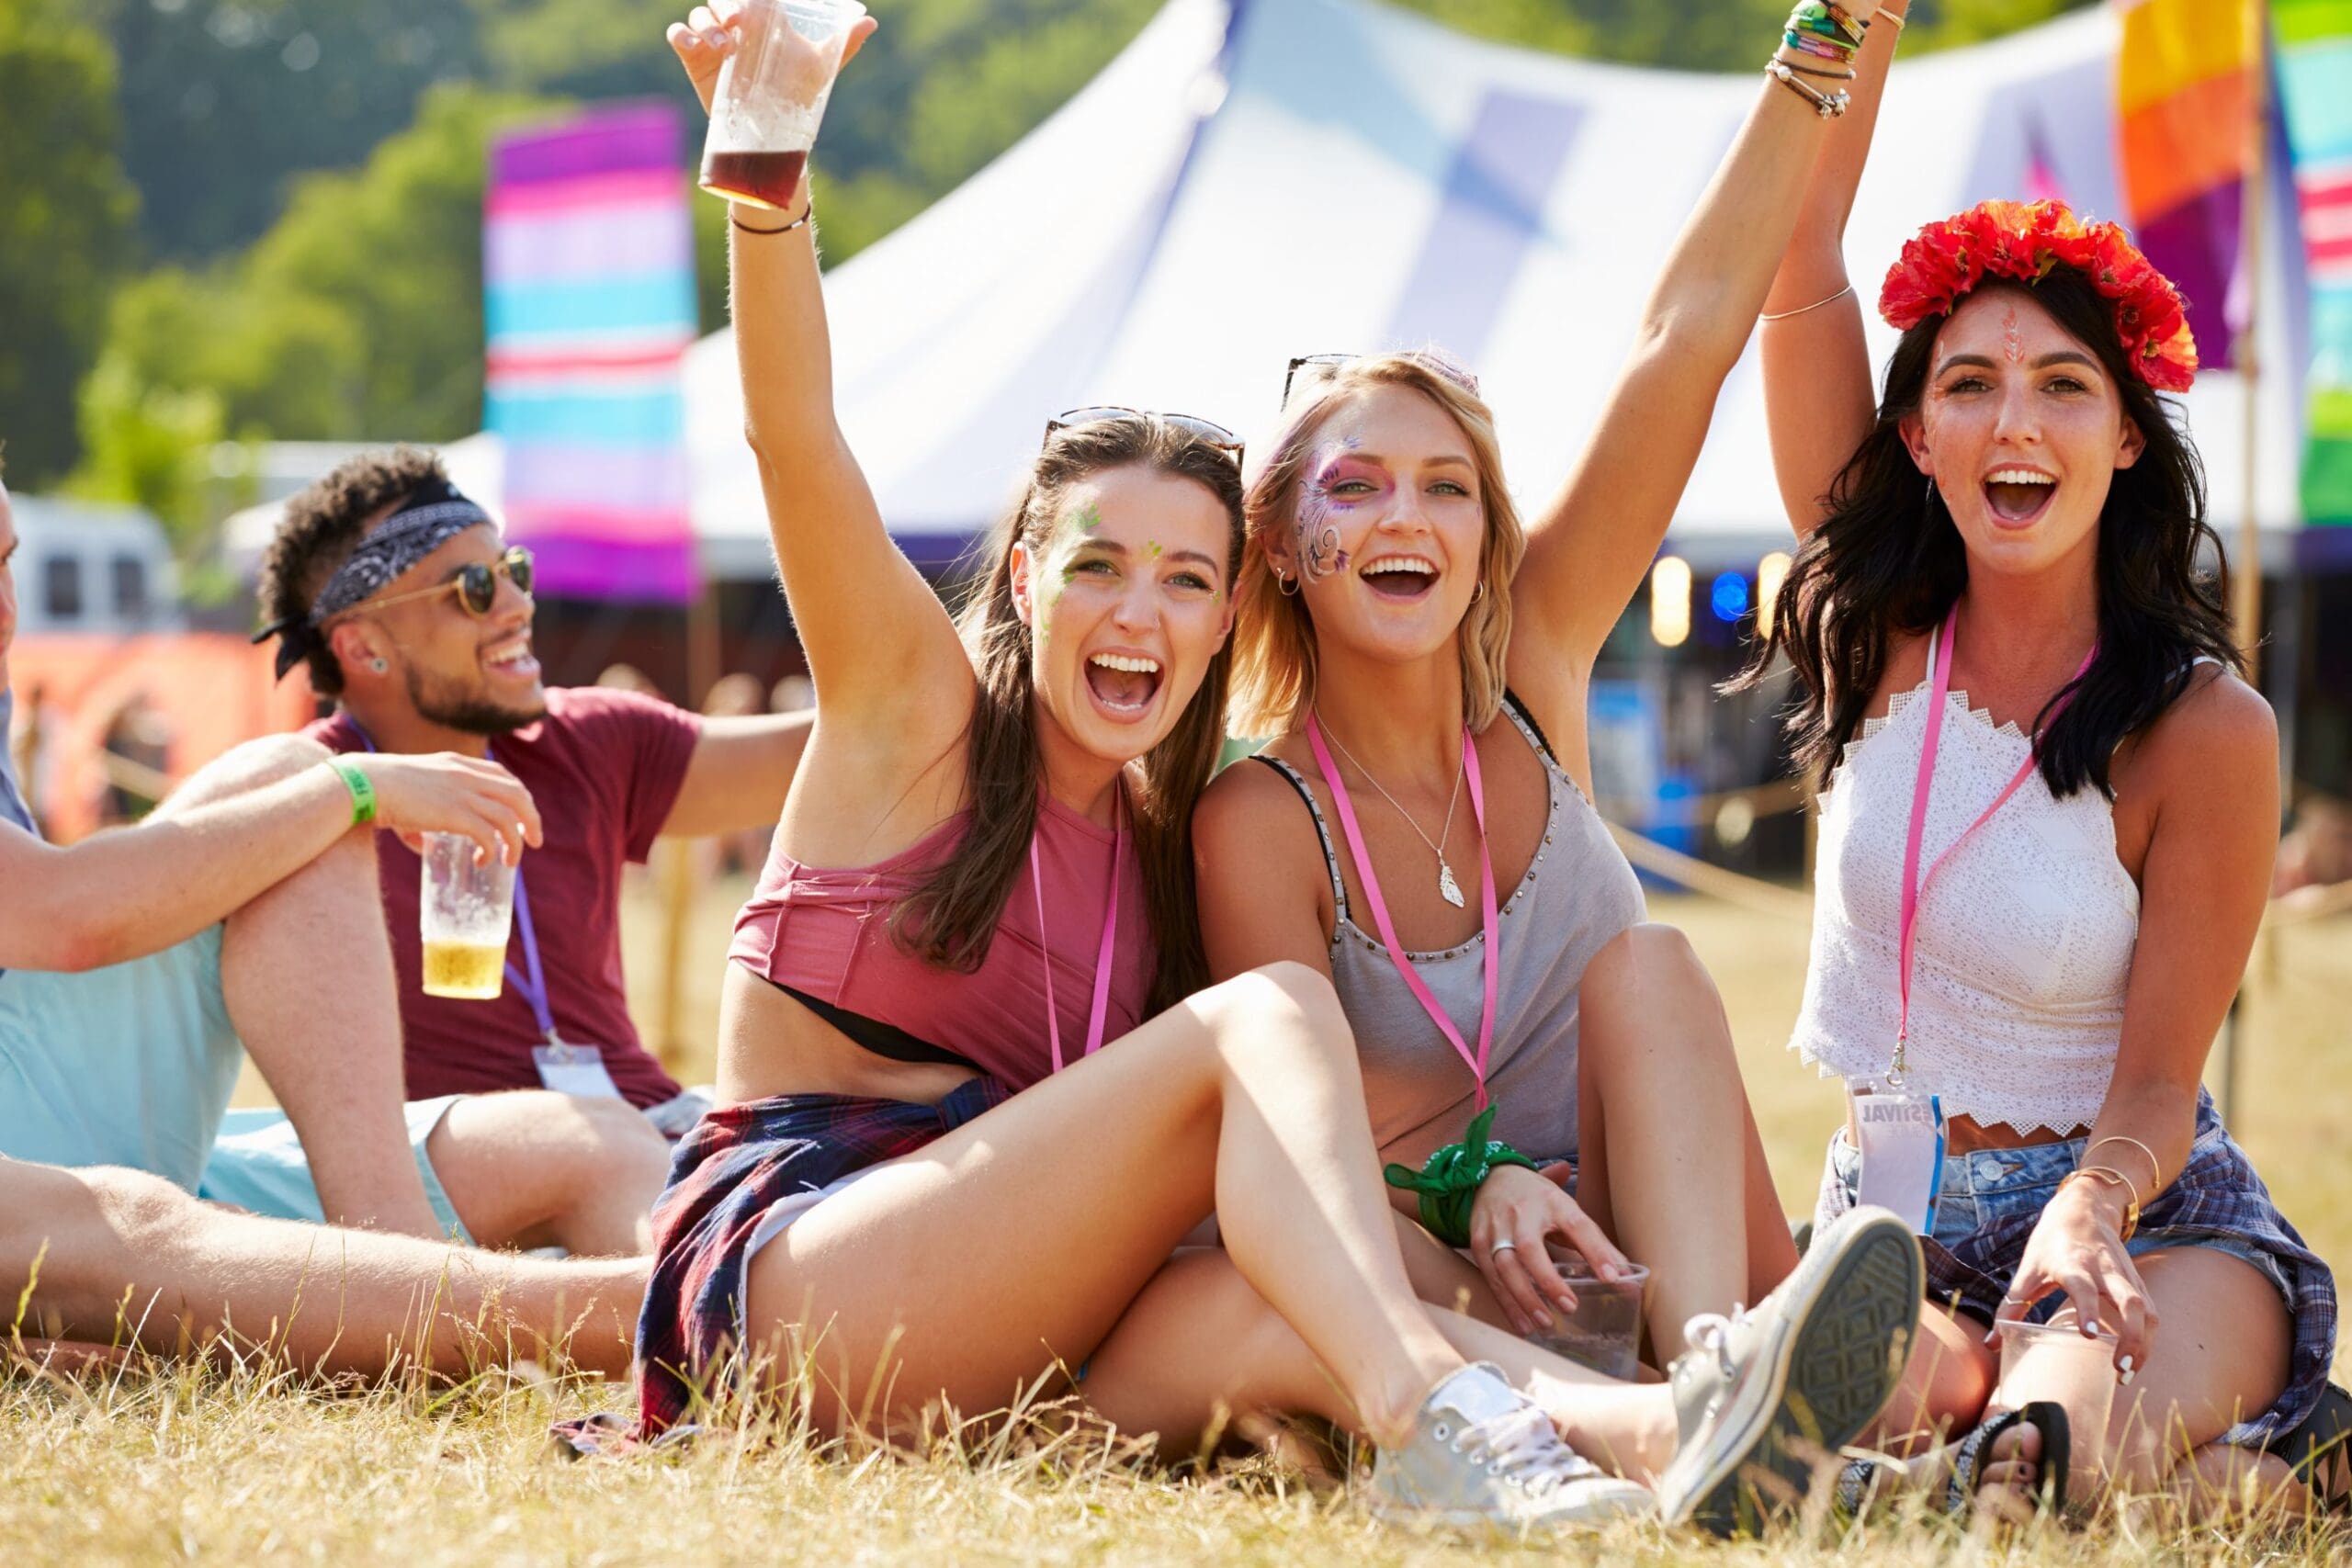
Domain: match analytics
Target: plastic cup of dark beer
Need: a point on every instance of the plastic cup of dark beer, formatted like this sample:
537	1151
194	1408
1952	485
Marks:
771	96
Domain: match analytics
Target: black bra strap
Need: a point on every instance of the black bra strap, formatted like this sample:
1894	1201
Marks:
1322	828
882	1039
1527	722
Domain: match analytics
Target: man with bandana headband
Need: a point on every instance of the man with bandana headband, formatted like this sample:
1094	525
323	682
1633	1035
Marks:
138	966
404	602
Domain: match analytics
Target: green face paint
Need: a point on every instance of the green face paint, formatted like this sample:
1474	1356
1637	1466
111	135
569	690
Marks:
1151	549
1087	518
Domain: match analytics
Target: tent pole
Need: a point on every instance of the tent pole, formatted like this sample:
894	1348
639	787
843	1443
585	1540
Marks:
2247	598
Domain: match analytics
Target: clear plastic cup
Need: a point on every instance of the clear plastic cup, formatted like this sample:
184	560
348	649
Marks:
465	913
771	97
2060	1362
1604	1331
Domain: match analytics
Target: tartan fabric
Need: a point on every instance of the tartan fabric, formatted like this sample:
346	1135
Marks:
2217	1200
737	1162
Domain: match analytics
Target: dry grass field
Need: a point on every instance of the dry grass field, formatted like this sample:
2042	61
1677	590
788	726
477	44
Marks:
245	1467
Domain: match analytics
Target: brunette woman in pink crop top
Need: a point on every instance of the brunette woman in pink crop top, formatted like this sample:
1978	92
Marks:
924	1145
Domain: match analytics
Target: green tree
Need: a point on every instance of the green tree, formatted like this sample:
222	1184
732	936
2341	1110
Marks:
65	215
358	316
225	102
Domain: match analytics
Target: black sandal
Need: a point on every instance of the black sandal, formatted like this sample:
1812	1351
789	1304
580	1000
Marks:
1860	1477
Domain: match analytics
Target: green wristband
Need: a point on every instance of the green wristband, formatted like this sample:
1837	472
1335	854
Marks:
362	793
1448	1180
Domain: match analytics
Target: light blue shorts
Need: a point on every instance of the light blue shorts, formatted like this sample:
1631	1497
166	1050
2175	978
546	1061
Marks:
258	1163
131	1064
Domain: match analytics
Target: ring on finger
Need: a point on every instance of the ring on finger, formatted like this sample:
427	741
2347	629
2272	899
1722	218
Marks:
1506	1244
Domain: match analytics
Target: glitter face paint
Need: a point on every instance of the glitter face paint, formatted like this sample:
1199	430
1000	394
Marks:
1319	554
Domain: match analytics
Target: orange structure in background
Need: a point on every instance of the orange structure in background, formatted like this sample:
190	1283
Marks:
214	690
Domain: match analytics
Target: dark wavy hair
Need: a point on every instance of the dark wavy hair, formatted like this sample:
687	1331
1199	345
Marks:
1887	560
951	918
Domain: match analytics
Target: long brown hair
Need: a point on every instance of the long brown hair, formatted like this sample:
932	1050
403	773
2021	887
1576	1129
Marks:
1888	559
951	918
1273	636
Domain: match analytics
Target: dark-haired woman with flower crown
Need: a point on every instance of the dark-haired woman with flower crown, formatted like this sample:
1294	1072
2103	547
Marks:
2050	813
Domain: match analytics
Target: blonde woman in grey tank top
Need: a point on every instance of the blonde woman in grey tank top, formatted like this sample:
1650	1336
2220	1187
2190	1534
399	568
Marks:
1391	597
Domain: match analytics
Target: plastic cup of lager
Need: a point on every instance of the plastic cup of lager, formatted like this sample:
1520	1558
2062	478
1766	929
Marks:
1604	1329
771	96
466	910
2059	1361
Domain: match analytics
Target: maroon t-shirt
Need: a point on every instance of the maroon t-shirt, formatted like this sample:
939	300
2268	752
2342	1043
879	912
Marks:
604	768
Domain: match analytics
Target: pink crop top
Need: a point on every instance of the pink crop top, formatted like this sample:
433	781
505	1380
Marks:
826	935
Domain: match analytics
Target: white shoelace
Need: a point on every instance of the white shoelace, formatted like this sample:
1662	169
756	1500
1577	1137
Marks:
1524	1446
1711	1331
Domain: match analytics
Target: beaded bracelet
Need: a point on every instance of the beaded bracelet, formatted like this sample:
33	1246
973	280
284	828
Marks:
1819	47
1448	1180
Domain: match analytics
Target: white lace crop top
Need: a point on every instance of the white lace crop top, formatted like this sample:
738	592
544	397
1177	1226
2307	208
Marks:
2024	940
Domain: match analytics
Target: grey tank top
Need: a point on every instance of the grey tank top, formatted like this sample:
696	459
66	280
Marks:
1578	895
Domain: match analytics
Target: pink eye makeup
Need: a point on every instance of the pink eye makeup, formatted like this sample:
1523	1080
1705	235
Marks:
1319	554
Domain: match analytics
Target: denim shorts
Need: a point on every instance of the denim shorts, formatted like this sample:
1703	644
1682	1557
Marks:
1992	1199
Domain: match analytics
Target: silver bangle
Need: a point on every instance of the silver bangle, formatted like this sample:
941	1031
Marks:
1817	304
1828	106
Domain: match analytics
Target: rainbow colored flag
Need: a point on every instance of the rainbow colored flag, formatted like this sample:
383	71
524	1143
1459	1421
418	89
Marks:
2184	76
588	267
2315	41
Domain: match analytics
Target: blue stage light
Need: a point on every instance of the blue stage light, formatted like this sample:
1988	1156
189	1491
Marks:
1729	596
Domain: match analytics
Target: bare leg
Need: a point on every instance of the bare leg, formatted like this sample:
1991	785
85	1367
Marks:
533	1168
2220	1356
306	970
1946	1382
967	1269
2222	1485
1671	1165
1199	1348
120	1256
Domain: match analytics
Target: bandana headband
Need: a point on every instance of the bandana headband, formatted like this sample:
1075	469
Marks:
435	513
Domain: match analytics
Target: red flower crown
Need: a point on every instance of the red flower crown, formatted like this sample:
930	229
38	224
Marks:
2024	241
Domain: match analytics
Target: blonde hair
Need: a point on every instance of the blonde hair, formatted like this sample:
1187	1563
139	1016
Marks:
1273	636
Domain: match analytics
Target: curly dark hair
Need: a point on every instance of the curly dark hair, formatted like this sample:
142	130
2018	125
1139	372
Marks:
323	524
1885	561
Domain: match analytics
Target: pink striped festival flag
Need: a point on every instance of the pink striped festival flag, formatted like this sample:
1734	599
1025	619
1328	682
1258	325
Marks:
588	269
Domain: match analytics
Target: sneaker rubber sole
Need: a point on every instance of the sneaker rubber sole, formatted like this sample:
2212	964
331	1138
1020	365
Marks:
1848	1318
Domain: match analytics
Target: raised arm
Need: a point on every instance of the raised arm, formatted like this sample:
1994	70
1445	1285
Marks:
1591	548
875	635
1817	399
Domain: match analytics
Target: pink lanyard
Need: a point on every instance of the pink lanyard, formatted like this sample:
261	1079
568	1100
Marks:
1110	937
1413	981
1915	886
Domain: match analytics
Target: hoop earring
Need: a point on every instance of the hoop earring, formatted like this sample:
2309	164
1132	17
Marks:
1928	513
1479	591
1289	587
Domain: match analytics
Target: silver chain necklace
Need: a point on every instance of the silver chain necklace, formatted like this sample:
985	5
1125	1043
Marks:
1447	887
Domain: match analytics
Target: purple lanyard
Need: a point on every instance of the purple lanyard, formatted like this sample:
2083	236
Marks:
533	986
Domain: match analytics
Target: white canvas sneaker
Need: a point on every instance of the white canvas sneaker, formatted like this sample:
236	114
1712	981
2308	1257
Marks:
1763	1397
1482	1453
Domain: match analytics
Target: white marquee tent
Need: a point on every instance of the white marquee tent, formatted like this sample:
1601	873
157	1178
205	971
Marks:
1253	180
